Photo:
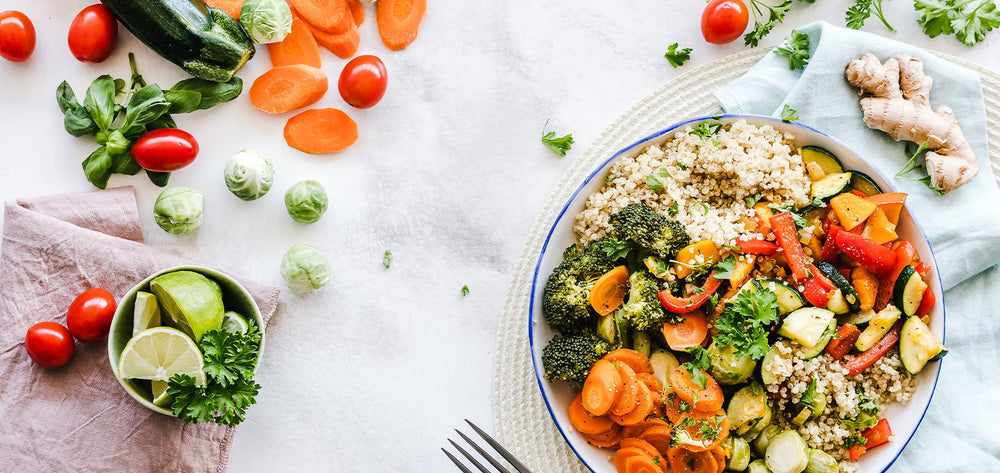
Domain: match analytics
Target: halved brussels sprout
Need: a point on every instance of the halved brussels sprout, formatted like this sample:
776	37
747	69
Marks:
642	342
727	368
757	466
266	21
787	453
179	210
306	201
821	462
737	453
663	363
746	406
249	175
760	443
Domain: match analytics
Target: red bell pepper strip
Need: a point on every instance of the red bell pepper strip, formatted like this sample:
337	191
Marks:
866	359
856	451
904	256
923	269
830	250
757	247
876	258
815	293
788	238
877	434
859	193
841	345
683	305
926	303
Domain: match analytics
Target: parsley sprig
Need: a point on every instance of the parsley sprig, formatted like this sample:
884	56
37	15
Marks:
743	324
558	144
796	49
761	26
699	363
787	114
706	129
968	20
858	13
677	57
616	249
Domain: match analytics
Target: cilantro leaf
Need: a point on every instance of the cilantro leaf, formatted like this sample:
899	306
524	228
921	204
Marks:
680	165
725	268
789	114
655	181
858	13
677	57
465	291
968	20
809	396
752	199
761	27
615	248
706	129
387	259
796	49
559	145
744	323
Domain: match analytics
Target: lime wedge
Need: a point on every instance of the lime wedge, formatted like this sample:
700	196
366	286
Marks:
234	322
158	353
191	302
147	312
160	396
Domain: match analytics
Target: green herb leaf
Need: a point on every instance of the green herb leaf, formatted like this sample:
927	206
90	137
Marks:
160	179
65	97
182	101
761	27
677	57
124	164
465	291
810	394
387	259
656	180
616	249
789	114
680	165
97	167
968	20
146	105
744	323
559	145
725	268
752	199
854	439
77	122
673	210
700	362
116	143
865	403
706	129
858	13
796	49
100	101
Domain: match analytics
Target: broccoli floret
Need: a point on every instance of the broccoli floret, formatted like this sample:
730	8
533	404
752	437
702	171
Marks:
566	297
641	225
642	308
570	358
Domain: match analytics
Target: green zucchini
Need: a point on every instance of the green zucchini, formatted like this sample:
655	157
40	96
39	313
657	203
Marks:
831	185
864	184
767	375
825	159
877	328
858	318
788	298
917	345
806	325
908	291
206	42
850	296
810	353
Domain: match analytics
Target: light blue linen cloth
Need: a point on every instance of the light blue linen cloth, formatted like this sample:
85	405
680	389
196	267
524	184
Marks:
961	430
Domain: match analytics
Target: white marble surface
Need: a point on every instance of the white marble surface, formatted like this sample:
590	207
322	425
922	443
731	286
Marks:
372	372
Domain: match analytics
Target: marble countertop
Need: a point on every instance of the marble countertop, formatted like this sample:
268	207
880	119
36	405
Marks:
373	372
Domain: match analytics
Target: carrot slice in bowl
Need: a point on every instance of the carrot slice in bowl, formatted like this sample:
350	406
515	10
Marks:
601	388
635	360
585	422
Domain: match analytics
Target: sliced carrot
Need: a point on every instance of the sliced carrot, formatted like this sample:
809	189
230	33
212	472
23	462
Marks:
659	437
643	407
321	131
624	453
636	431
691	332
701	431
635	360
685	461
674	406
601	388
609	290
357	11
866	285
607	439
643	445
720	457
586	423
232	7
344	45
629	391
643	465
399	21
651	382
706	399
299	47
286	88
332	16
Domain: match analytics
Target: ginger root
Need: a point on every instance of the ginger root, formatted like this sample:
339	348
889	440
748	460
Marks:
897	101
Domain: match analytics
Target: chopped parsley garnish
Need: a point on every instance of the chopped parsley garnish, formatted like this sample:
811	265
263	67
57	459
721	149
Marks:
744	323
809	396
655	181
677	57
854	439
725	268
387	259
673	209
559	145
713	301
789	114
615	248
752	199
697	366
706	129
865	403
608	179
680	165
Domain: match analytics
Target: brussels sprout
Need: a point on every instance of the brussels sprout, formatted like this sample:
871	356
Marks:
663	363
179	210
306	201
821	462
746	406
757	466
642	342
738	453
304	268
727	368
266	21
754	428
249	175
787	453
760	443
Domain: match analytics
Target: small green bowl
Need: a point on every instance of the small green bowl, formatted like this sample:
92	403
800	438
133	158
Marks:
234	296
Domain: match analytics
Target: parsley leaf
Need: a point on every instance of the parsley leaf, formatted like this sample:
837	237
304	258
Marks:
862	10
706	129
725	268
761	27
809	396
789	114
673	209
677	57
615	248
655	181
387	259
854	439
752	199
680	165
865	403
559	145
744	323
796	49
968	20
465	291
697	366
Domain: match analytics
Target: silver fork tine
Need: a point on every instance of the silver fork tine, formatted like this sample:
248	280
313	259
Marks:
456	462
470	457
499	448
493	461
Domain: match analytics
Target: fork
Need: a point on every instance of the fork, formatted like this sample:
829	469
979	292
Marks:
493	461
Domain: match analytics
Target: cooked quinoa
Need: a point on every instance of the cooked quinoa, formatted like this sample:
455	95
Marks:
709	181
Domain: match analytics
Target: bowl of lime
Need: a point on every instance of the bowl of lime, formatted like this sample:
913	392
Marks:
184	335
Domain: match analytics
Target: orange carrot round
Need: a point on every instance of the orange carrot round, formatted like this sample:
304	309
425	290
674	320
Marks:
607	439
720	458
332	16
586	423
625	453
659	437
642	465
640	444
629	391
709	398
357	11
299	47
399	21
344	45
651	381
286	88
643	407
320	131
609	291
691	332
636	431
702	431
685	461
601	388
635	360
674	406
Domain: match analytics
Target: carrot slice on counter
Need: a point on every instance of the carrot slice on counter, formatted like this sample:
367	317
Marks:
659	437
332	16
231	7
399	21
629	394
344	45
286	88
299	47
607	439
643	407
601	388
709	398
683	460
357	11
609	290
321	131
586	423
689	333
635	360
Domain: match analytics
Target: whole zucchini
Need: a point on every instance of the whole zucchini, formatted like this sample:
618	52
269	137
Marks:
204	41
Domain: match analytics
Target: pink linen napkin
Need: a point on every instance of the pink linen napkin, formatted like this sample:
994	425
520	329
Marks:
78	418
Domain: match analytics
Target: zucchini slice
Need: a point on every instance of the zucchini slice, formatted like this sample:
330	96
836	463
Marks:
825	159
850	296
864	184
877	327
806	325
908	291
788	298
858	318
810	353
767	375
917	345
831	185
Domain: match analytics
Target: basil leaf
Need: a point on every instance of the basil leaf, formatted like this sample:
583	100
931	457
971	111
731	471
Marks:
100	101
77	122
212	93
66	97
117	144
146	105
165	121
124	164
182	101
158	178
97	167
134	133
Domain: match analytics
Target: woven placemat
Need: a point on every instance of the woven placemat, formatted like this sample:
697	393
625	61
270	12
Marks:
521	420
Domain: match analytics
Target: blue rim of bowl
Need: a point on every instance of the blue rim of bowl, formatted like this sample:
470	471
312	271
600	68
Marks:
603	166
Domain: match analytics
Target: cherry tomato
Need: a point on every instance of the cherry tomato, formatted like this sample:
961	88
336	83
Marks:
17	36
724	20
363	81
165	150
49	345
93	34
89	316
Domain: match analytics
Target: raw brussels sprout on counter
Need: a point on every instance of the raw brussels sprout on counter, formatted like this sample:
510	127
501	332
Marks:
179	210
306	201
304	268
249	175
266	21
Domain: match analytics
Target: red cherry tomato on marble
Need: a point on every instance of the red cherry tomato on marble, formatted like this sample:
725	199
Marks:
93	34
89	316
17	36
363	81
724	20
165	150
49	345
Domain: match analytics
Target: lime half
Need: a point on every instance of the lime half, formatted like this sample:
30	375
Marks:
233	322
158	353
191	302
147	312
160	396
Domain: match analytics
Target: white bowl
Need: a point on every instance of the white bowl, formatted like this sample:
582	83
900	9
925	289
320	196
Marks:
902	419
